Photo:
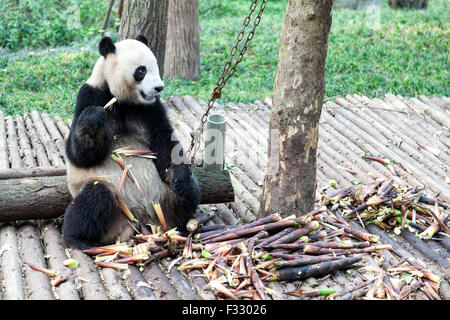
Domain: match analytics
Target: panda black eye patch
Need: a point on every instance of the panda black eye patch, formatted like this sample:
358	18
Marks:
139	73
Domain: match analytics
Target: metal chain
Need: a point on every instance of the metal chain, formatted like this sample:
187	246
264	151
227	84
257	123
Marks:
228	71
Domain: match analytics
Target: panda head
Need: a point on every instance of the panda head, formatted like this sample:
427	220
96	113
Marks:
130	69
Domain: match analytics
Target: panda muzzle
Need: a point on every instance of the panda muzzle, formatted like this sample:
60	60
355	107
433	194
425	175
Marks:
149	97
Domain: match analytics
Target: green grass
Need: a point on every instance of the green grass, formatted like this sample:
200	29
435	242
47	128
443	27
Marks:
407	55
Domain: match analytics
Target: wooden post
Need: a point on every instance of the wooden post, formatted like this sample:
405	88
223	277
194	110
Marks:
214	154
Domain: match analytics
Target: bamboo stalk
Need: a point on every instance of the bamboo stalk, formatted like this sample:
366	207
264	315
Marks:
269	219
362	235
311	293
341	245
315	270
193	224
304	261
233	234
213	233
311	249
297	233
276	236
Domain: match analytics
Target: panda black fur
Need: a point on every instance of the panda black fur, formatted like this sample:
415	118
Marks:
128	71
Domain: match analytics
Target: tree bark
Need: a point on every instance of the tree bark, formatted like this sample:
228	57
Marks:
289	185
149	18
183	40
409	4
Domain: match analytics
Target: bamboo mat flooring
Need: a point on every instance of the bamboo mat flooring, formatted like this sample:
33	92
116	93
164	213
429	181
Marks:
389	127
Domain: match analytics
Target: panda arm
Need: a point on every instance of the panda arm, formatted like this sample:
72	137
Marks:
171	163
170	154
162	142
91	134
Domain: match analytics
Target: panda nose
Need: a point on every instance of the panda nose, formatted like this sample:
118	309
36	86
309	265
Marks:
159	89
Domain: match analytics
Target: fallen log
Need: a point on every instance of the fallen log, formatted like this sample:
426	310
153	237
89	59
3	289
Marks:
6	174
33	198
42	193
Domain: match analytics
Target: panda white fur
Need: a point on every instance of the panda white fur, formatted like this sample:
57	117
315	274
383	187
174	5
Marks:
126	70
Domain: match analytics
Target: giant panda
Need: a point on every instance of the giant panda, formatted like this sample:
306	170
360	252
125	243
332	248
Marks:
128	71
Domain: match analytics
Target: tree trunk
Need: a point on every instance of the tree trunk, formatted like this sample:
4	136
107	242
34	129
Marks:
289	185
183	40
149	18
409	4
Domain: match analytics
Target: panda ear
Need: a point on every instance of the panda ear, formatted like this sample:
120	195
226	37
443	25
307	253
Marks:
106	46
142	39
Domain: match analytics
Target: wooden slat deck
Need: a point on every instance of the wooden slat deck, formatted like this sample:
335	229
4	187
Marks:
390	127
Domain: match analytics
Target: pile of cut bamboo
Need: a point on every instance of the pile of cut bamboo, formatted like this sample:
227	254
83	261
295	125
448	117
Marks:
400	282
238	260
391	207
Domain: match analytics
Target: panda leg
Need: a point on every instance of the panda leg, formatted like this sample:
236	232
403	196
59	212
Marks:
187	205
191	199
89	216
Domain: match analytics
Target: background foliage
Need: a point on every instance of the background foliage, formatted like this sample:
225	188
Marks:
48	49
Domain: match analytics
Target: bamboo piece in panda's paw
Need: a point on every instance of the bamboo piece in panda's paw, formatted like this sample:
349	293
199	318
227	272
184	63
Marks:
110	103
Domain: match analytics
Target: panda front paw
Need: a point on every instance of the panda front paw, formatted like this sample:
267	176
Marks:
91	121
178	177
